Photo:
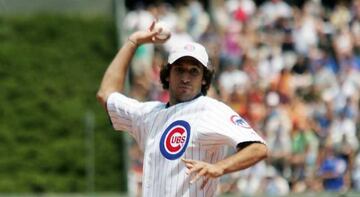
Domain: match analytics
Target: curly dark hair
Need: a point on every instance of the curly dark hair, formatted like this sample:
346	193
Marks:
165	72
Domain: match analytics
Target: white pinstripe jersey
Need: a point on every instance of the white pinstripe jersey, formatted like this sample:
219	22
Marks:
196	129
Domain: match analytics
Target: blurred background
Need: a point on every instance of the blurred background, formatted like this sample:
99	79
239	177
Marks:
290	68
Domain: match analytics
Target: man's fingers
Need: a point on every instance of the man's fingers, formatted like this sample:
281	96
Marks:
184	160
153	35
189	165
152	25
196	168
187	160
202	172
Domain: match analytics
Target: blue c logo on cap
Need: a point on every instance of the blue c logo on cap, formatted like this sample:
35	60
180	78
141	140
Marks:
175	139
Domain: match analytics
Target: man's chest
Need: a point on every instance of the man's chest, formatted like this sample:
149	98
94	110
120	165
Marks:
171	137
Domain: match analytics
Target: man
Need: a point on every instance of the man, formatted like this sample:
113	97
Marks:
183	141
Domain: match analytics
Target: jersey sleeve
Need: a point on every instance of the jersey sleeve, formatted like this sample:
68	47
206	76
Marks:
122	111
127	114
222	126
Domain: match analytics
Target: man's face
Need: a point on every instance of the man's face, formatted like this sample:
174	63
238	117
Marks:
185	80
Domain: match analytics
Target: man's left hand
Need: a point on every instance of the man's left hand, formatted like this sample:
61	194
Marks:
202	169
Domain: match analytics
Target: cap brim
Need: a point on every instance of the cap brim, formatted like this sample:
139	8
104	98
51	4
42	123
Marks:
179	55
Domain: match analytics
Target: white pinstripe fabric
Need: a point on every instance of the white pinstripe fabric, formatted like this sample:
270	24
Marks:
211	129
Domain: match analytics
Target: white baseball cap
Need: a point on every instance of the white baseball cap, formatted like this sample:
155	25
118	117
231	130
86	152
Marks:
191	49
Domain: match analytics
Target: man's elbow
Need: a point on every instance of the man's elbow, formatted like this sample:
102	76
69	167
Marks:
261	151
101	97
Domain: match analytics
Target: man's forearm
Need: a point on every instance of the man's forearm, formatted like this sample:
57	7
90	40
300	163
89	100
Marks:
114	77
244	158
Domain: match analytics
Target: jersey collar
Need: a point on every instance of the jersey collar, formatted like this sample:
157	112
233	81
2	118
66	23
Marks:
197	96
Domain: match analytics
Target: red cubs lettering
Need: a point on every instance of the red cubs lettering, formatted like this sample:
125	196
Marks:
177	140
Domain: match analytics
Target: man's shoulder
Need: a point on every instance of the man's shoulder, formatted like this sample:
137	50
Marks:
213	103
128	102
151	106
155	104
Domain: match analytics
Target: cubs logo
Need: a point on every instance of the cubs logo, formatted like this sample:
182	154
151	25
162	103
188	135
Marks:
237	120
175	139
189	47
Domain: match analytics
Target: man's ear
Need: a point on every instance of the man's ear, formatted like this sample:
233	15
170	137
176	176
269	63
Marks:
203	82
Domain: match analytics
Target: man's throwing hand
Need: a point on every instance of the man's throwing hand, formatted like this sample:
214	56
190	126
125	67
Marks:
202	169
156	34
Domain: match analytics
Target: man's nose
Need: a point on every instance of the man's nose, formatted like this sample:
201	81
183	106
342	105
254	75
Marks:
185	77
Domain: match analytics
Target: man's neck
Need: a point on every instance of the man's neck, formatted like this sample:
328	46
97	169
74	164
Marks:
168	104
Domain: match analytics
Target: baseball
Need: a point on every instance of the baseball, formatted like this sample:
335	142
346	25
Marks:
165	33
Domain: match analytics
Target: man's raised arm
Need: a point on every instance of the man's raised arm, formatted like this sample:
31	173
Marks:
114	77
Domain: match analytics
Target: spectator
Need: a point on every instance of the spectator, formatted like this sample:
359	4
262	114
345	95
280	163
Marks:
250	180
277	129
275	9
332	171
273	184
292	72
356	174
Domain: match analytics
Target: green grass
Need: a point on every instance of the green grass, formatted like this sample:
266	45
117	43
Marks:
321	194
78	7
50	69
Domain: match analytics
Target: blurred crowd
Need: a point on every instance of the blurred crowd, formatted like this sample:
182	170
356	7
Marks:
293	72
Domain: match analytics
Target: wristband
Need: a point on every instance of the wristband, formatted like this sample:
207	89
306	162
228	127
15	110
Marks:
133	42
